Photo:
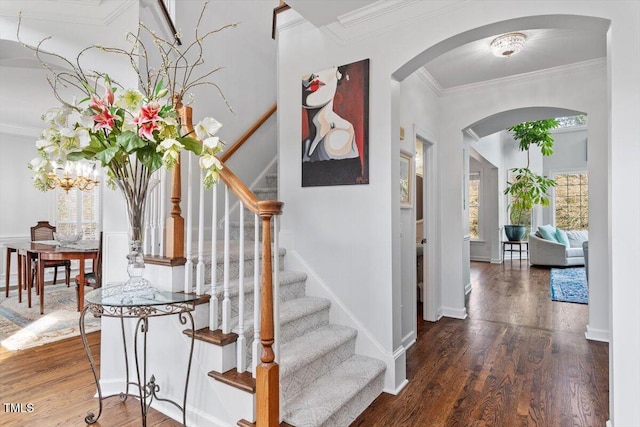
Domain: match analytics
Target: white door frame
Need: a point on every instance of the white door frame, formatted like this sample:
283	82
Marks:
431	284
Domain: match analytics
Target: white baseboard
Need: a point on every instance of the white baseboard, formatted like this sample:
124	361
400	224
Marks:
480	258
456	313
608	423
467	288
398	389
593	334
496	260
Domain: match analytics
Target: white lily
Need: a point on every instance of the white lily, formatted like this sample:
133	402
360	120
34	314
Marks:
207	127
212	143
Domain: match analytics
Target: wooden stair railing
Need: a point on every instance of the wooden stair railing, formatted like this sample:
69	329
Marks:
245	136
268	371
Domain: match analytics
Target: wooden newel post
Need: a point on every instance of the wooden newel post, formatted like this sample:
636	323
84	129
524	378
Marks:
268	371
174	237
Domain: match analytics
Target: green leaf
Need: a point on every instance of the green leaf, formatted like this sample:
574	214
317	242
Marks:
150	158
130	141
158	88
106	155
191	144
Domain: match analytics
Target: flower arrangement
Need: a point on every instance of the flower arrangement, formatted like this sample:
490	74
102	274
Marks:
131	132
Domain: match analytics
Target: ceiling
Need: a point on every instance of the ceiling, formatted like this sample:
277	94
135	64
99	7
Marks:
454	64
472	62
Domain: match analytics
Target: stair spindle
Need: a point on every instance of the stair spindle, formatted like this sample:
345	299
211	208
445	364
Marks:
213	302
226	301
188	267
241	343
255	350
200	266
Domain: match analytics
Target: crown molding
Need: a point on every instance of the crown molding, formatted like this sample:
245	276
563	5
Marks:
373	11
12	129
389	14
472	134
428	80
561	69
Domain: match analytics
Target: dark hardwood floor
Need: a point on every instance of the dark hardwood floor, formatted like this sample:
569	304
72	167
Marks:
518	360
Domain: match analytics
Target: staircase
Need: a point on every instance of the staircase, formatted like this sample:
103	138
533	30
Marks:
323	382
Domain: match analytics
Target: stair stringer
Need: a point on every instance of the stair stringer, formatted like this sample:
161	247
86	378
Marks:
339	314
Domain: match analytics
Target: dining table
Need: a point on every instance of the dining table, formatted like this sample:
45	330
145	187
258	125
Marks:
48	250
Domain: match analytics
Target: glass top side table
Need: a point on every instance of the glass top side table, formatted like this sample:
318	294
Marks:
116	301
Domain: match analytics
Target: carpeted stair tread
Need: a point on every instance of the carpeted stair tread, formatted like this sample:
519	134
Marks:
234	251
303	350
323	398
287	277
290	311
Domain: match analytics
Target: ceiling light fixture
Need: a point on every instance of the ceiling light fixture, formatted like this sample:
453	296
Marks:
508	44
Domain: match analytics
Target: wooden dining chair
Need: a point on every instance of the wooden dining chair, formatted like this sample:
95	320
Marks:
44	231
93	278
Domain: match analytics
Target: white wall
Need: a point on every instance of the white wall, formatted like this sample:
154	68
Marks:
487	246
361	287
418	110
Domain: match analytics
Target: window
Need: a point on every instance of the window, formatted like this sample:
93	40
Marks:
78	211
571	201
474	205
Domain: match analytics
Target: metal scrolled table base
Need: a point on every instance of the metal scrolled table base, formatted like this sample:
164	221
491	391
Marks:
147	393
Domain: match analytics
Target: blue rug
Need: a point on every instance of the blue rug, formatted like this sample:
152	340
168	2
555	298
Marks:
569	285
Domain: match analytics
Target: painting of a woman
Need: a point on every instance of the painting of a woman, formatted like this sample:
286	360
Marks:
334	126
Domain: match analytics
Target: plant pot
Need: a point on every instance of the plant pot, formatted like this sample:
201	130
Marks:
514	232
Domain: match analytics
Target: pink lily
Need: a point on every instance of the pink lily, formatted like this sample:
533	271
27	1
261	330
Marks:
148	119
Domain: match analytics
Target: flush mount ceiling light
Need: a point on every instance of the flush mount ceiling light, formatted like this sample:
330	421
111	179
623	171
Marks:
508	44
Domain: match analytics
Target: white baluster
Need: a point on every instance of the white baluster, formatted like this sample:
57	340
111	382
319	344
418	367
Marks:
257	348
241	343
213	302
188	267
226	301
276	289
163	210
200	266
153	217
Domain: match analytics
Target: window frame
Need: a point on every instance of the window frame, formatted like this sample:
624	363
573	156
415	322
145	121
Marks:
552	202
480	205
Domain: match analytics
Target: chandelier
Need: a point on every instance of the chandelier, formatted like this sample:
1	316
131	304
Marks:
82	175
508	44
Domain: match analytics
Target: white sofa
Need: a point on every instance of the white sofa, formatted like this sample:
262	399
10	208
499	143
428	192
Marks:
554	254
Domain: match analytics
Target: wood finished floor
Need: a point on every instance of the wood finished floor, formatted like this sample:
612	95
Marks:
519	360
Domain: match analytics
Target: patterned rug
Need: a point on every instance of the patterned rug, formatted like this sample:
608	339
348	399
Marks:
569	285
22	327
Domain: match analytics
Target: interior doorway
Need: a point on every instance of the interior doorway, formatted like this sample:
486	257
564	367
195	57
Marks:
427	236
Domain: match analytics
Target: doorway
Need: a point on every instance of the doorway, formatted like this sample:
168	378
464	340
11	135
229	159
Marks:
427	235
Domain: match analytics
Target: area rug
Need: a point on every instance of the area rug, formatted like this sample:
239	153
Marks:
22	327
569	285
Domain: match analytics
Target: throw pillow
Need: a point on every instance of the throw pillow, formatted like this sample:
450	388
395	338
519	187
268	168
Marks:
561	237
548	232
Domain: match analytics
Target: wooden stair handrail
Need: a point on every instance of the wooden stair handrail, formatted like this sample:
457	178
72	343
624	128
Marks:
245	136
268	370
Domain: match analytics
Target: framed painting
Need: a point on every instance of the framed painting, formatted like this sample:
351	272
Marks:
406	173
335	126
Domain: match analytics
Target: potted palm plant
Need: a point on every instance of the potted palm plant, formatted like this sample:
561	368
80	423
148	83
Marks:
527	189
